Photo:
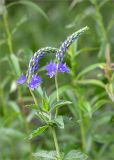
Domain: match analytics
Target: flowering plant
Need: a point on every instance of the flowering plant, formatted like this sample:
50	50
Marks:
48	112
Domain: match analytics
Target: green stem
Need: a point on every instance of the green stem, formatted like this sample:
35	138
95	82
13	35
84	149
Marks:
10	46
100	21
27	131
82	127
57	90
82	131
9	39
26	125
3	101
35	101
56	84
34	98
56	142
52	129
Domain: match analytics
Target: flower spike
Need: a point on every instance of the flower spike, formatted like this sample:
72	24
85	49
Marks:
34	61
63	48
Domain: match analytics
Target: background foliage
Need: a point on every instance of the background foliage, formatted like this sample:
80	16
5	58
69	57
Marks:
26	26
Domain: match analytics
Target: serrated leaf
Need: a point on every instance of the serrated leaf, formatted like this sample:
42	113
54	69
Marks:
59	104
46	154
44	114
38	131
75	155
59	121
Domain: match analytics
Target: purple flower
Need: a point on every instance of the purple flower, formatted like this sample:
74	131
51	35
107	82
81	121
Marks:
22	79
51	68
34	82
62	67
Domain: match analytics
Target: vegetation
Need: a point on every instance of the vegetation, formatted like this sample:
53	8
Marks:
56	115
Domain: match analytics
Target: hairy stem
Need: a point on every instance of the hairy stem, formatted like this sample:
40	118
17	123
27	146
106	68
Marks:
56	84
57	89
35	101
52	128
34	98
56	142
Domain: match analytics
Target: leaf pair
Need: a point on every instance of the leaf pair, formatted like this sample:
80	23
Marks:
51	155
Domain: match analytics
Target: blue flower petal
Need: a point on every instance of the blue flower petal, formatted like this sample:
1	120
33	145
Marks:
51	69
62	67
34	82
22	79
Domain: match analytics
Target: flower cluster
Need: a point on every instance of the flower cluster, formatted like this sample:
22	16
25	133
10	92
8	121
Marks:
34	61
34	80
52	68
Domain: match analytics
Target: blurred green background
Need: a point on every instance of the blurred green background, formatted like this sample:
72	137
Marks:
25	27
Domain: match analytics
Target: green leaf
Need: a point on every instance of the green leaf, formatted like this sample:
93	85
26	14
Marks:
102	3
31	5
104	139
15	65
87	49
75	155
11	118
39	91
91	81
11	133
44	115
102	49
17	113
100	103
90	68
98	97
26	54
59	121
59	104
46	154
86	107
38	131
32	106
45	104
